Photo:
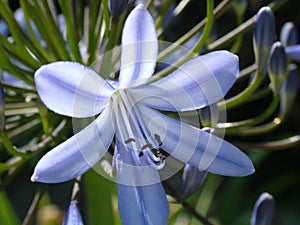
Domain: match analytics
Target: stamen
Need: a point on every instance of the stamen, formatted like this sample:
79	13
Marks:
124	127
140	120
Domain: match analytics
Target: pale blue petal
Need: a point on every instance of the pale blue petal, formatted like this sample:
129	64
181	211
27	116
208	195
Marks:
76	155
143	205
139	204
197	147
293	52
139	48
71	89
198	83
73	216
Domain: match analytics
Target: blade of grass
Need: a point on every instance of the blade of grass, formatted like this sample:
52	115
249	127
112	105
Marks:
7	214
99	202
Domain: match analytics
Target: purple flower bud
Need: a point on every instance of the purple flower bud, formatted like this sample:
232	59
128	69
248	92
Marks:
2	109
117	7
289	90
192	179
293	52
277	66
263	210
4	28
263	37
289	34
73	216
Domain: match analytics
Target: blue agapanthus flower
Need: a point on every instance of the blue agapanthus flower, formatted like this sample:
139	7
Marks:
130	117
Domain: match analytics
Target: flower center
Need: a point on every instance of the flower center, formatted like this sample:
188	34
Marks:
131	128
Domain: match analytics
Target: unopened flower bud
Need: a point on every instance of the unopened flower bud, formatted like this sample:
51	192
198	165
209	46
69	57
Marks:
289	34
2	108
240	7
73	216
117	7
192	179
289	90
277	66
263	210
293	52
263	37
4	28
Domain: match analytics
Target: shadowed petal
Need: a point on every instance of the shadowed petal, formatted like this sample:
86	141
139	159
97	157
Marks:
143	204
264	209
77	154
71	89
139	48
293	52
197	147
73	216
198	83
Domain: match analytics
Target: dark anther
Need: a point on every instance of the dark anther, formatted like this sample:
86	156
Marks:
148	145
157	138
141	154
129	140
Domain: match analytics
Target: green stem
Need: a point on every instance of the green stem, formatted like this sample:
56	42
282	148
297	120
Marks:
43	115
107	66
9	146
196	48
14	162
188	207
243	28
239	39
67	8
286	143
217	12
113	31
241	127
242	96
34	206
247	71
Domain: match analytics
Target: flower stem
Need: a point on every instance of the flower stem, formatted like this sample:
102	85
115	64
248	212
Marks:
197	47
242	96
76	189
188	207
34	206
235	127
219	10
9	146
196	214
271	145
243	28
43	144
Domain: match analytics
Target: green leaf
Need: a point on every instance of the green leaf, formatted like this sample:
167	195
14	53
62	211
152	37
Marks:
95	21
7	214
69	10
99	198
